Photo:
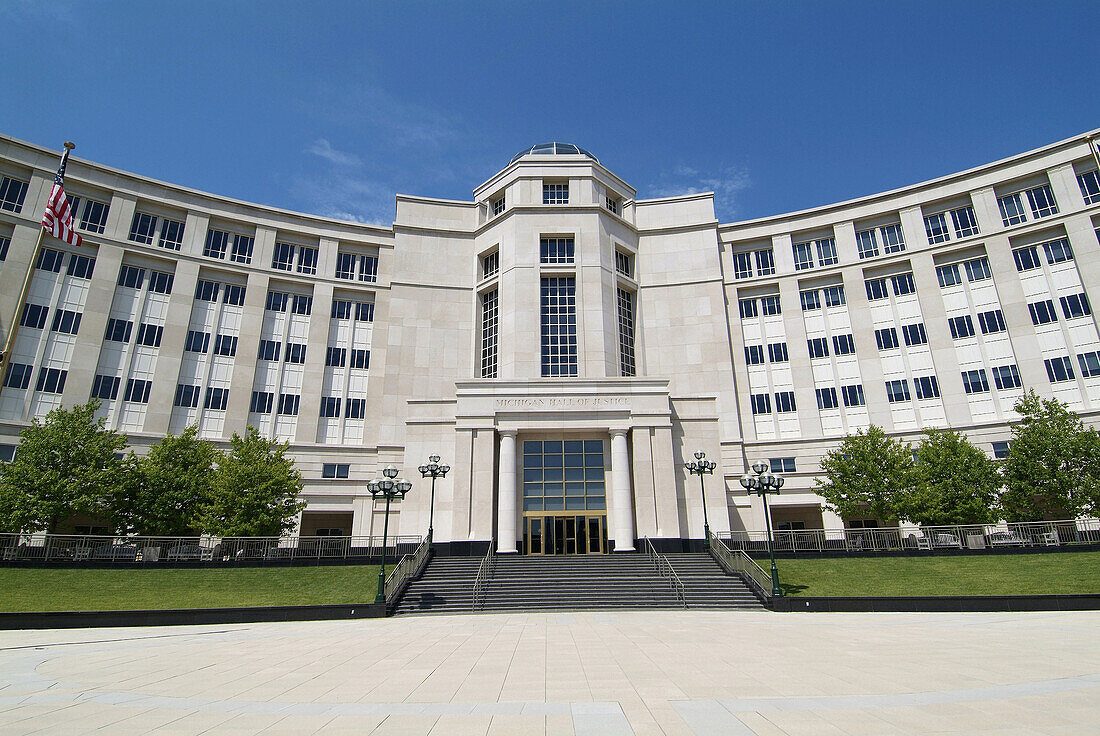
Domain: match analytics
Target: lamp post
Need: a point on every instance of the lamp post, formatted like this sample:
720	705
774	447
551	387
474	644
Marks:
700	467
388	489
762	482
433	470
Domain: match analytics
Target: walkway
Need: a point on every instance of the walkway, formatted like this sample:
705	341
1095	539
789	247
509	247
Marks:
661	672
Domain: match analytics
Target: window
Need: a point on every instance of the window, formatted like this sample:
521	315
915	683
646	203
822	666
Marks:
892	239
936	228
1090	364
233	294
965	222
242	249
12	193
747	307
876	289
269	350
351	266
961	326
1075	305
18	376
197	342
1058	251
283	257
926	387
777	352
903	284
51	380
765	262
345	265
1012	209
118	330
948	275
1042	202
784	402
307	260
94	215
1000	450
161	282
341	309
337	357
106	388
498	206
216	398
624	263
490	264
187	396
66	321
978	269
355	408
137	391
131	277
288	404
914	334
1006	376
1090	186
834	296
225	345
781	464
761	404
867	243
1026	258
217	242
844	344
261	402
364	311
810	300
5	243
853	395
887	338
34	316
489	332
826	251
50	260
754	354
826	398
897	391
555	193
276	301
559	326
1042	312
171	234
340	470
626	332
330	406
1059	369
992	321
360	358
150	335
302	304
803	256
818	347
770	305
742	265
142	228
207	291
295	352
556	250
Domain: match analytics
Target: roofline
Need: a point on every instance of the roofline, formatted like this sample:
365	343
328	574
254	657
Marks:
676	198
559	158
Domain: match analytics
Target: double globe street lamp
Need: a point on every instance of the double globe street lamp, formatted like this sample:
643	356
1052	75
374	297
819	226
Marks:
700	467
762	482
433	470
389	489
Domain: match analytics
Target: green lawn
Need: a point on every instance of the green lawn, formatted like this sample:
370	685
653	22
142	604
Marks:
36	589
1025	574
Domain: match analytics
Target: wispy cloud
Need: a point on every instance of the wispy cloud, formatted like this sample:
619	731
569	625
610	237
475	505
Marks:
347	197
321	147
726	183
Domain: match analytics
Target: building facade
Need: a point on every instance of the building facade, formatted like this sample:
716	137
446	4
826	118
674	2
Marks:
565	346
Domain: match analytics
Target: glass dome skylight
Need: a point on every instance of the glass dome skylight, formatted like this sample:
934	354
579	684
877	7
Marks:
553	149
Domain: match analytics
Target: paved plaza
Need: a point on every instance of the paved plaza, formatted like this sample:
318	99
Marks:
589	674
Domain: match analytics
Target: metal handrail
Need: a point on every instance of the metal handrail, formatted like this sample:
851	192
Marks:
484	573
407	570
664	569
737	563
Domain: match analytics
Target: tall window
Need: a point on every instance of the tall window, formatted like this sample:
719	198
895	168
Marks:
626	332
489	334
555	193
12	193
559	326
490	264
556	250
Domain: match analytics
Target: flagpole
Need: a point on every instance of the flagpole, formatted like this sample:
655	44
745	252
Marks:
13	329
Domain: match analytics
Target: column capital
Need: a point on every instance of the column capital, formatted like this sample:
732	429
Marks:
508	433
619	432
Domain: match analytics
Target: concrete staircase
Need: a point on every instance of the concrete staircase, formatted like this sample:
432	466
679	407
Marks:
575	582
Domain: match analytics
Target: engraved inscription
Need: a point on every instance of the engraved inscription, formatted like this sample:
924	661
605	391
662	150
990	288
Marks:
565	402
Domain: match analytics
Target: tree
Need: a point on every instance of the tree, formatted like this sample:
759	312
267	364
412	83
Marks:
171	487
954	483
1053	466
255	489
865	475
67	464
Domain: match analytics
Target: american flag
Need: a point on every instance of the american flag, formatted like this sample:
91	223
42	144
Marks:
58	219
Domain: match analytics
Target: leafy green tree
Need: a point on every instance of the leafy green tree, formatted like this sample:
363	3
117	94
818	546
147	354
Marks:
954	483
866	474
255	489
1053	466
66	464
170	489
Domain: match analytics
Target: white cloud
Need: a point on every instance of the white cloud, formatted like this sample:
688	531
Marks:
321	147
349	198
726	183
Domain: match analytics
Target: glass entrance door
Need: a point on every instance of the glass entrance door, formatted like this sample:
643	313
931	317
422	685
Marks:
559	534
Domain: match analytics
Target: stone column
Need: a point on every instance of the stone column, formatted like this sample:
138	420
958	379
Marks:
622	502
506	493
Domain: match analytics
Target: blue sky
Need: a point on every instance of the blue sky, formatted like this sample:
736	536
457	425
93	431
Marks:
334	107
